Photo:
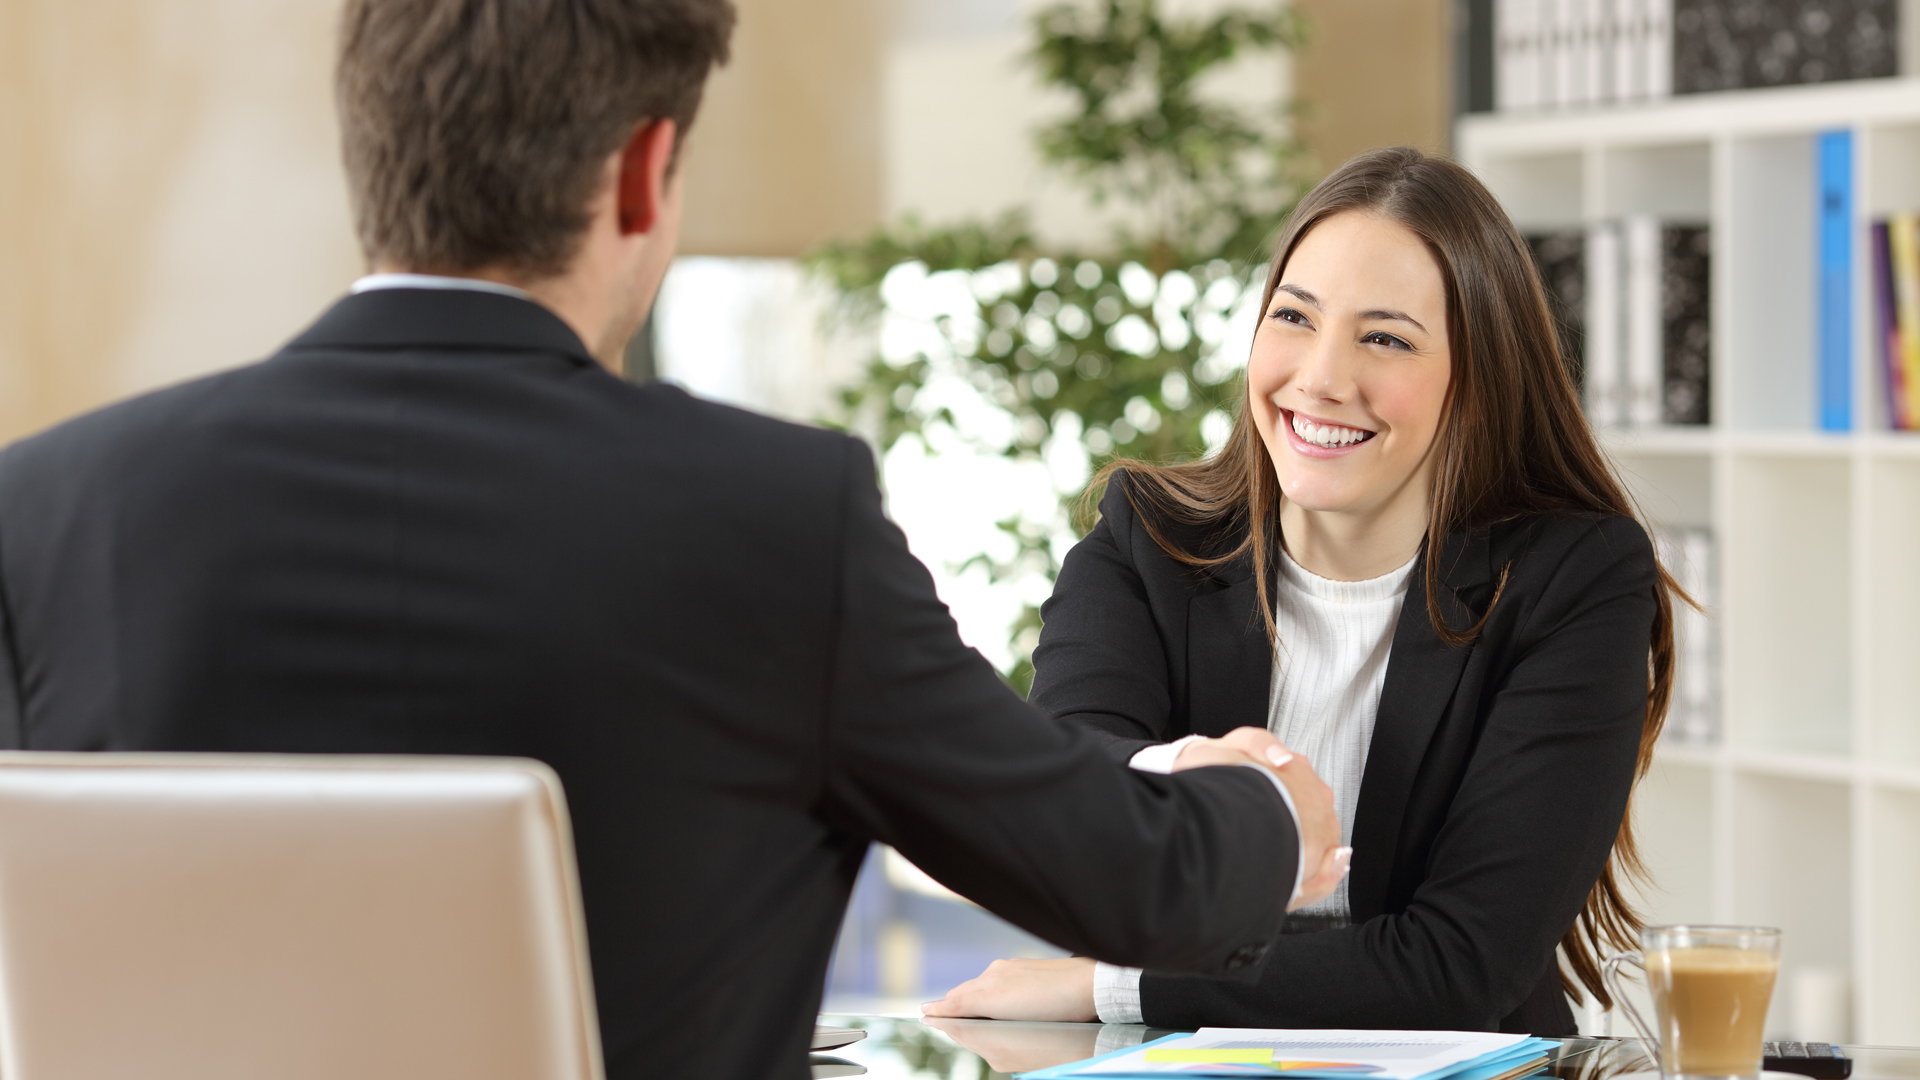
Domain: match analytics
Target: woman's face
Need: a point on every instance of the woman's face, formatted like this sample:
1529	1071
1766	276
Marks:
1350	367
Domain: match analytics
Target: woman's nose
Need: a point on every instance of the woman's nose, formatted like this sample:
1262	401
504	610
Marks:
1324	373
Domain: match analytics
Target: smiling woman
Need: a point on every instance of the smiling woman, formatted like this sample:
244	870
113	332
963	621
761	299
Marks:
1412	564
1347	386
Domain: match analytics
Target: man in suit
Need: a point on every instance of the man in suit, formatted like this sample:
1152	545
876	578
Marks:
436	522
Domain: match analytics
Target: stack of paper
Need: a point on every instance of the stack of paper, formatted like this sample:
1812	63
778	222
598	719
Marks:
1330	1054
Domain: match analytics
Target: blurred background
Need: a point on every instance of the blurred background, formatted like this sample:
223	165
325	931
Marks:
1006	241
171	204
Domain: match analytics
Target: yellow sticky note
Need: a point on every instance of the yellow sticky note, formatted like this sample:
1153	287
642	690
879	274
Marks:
1210	1057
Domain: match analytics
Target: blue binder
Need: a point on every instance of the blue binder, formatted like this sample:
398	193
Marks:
1835	153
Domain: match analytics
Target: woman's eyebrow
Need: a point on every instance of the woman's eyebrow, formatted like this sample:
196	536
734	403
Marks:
1306	296
1396	316
1301	294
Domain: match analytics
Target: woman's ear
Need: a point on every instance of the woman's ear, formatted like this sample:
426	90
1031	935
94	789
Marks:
645	165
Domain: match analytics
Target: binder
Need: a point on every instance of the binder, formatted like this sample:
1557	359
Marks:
1699	675
1742	44
1835	193
1624	44
1505	78
1588	55
1560	257
1601	347
1658	49
1646	325
1903	234
1477	65
1887	331
1516	82
1693	716
1560	25
1686	361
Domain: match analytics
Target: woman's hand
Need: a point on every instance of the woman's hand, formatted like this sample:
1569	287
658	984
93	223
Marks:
1060	990
1018	1048
1326	860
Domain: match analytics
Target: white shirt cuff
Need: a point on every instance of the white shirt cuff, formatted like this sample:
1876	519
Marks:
1159	758
1116	994
1118	1037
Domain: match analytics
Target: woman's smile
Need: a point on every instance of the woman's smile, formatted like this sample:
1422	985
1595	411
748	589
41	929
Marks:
1319	438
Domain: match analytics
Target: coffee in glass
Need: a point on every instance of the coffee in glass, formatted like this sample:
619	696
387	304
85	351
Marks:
1710	987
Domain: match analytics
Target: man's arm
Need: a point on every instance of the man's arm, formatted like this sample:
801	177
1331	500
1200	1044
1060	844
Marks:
930	752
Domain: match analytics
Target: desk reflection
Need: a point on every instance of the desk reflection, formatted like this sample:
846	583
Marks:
908	1048
913	1048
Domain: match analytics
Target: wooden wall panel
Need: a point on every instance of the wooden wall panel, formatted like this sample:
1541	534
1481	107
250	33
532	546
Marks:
1376	73
171	200
786	152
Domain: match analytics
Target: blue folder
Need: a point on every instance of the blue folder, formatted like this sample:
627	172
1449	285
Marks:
1835	152
1484	1067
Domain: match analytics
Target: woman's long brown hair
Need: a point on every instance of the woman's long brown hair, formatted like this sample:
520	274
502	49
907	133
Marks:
1513	443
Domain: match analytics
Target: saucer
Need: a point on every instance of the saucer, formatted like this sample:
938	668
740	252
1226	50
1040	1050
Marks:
1653	1074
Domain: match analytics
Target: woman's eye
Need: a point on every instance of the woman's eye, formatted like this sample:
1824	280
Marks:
1287	314
1380	337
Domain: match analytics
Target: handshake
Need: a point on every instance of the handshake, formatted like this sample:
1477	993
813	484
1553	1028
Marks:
1325	860
1063	990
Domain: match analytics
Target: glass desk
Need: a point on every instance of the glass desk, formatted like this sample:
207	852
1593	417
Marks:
908	1048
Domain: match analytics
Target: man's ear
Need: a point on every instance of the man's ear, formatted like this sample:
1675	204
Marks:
643	175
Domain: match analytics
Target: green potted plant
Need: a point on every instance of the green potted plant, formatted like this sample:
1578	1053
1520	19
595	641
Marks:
1122	351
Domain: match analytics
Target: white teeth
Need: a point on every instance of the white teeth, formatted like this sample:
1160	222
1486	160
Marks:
1328	435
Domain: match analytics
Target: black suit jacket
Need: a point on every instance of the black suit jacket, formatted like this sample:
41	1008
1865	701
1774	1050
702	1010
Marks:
432	524
1495	783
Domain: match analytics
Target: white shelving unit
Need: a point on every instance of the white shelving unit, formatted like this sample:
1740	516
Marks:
1805	814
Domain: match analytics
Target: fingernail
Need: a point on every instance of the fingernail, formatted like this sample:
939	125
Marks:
1278	756
1343	857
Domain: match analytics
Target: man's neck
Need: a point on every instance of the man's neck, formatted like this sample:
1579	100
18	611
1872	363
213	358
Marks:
560	294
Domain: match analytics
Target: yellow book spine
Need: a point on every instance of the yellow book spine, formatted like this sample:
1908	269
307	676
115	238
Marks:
1903	236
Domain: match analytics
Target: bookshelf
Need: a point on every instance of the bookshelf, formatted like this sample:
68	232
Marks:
1803	810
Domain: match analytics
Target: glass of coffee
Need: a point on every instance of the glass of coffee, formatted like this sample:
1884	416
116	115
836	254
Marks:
1710	987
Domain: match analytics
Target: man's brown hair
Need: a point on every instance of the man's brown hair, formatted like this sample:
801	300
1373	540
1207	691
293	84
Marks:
475	131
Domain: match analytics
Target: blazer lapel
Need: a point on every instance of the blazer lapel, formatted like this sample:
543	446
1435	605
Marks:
1422	673
1229	662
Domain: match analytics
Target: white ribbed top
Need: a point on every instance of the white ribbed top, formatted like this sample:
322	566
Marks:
1328	671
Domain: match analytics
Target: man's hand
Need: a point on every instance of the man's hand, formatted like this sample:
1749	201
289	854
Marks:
1326	860
1024	990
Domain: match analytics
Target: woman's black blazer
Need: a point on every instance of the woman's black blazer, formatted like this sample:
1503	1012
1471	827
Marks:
1495	783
